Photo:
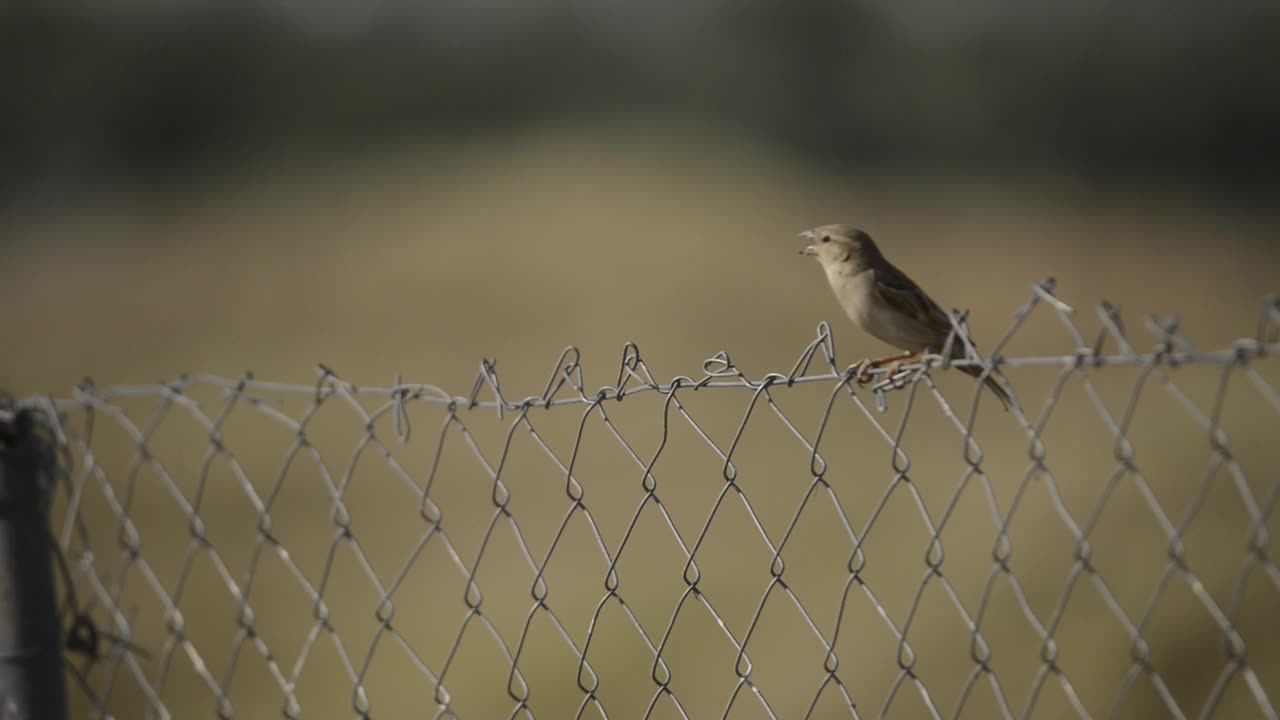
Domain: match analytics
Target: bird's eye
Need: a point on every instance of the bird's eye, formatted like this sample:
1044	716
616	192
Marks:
826	238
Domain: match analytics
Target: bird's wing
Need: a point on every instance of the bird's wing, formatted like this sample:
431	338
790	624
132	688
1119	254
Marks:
898	290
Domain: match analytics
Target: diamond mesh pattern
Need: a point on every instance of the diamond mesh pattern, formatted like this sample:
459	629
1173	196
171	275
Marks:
791	545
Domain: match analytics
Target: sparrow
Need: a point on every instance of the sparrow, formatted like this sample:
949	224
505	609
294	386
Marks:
882	301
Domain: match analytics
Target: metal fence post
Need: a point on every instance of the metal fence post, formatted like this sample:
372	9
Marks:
32	682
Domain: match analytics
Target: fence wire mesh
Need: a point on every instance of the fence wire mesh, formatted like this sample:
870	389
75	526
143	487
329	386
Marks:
792	544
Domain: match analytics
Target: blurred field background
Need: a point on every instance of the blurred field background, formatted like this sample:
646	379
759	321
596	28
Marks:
408	189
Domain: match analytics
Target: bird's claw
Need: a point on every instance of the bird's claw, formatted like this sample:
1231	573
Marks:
862	375
891	370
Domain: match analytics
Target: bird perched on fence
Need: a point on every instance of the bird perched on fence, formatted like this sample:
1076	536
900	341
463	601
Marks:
882	301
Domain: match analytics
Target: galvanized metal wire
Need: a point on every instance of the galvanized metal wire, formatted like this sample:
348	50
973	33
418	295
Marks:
97	568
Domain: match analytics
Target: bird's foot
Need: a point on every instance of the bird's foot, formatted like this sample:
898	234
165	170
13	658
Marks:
862	375
892	369
892	363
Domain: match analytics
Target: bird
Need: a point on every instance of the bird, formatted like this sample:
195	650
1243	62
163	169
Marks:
882	301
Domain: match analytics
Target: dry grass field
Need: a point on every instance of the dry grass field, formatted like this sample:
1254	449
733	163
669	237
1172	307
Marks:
421	263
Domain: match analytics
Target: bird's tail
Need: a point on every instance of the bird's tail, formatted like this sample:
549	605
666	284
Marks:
1005	399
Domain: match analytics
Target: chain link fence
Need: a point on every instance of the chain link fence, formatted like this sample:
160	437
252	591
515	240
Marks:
722	544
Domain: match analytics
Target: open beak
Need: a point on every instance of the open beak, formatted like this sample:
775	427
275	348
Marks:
808	249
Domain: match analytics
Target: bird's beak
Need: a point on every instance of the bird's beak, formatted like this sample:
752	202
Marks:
809	249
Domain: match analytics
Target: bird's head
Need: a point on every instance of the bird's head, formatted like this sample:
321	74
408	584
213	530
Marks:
836	245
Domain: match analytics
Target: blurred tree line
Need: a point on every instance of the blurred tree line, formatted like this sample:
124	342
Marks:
1177	91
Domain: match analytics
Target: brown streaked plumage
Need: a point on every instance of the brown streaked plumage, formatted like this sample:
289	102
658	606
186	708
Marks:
882	301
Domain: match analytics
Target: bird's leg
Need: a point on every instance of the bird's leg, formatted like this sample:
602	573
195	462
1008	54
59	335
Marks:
863	373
